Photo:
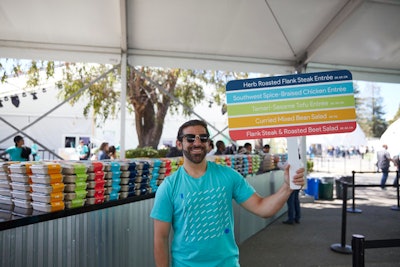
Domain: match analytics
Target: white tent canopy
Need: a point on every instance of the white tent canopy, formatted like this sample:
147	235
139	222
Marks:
391	137
266	36
354	139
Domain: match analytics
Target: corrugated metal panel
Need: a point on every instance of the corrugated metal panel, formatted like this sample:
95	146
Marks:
117	236
246	223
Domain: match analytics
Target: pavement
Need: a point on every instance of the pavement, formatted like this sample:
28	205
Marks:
309	243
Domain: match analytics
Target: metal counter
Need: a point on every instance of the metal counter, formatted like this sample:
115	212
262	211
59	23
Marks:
115	235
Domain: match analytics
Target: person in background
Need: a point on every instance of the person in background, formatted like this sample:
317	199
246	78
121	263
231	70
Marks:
112	152
396	160
249	148
267	161
174	152
383	164
35	149
220	148
103	151
210	151
293	204
231	149
83	150
196	202
18	152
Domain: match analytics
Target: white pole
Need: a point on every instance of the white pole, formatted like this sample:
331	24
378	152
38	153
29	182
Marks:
123	106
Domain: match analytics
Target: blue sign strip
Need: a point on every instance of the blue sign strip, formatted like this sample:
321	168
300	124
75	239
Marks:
290	80
305	91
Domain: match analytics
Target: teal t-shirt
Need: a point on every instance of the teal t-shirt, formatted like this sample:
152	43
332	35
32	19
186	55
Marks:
201	213
15	153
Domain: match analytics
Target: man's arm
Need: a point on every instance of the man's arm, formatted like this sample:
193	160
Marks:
268	206
161	243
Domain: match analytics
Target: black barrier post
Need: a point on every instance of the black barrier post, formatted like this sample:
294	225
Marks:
398	193
353	206
358	245
342	247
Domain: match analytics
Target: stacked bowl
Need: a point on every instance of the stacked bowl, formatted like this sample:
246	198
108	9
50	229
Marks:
21	185
5	180
75	177
47	187
95	183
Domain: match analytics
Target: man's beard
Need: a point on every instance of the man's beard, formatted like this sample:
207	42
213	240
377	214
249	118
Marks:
195	158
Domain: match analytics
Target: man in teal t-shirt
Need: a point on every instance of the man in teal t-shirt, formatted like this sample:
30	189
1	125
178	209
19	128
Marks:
83	150
196	202
15	151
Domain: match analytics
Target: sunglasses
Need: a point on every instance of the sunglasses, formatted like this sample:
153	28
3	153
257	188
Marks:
192	137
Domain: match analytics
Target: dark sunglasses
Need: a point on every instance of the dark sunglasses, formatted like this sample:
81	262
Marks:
192	137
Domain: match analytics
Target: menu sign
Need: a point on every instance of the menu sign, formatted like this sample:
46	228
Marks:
291	105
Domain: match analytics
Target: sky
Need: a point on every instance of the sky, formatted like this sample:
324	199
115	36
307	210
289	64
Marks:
388	91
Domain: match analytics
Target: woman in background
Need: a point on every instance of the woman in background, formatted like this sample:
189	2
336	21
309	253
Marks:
103	151
112	152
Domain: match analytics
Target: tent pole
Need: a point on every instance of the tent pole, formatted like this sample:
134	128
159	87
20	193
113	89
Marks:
123	106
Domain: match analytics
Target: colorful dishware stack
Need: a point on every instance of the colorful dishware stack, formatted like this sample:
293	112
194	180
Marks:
143	177
115	180
107	179
47	187
75	178
95	183
167	166
163	169
5	188
128	178
156	163
20	184
256	163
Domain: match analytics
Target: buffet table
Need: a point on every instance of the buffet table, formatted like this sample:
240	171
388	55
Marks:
114	233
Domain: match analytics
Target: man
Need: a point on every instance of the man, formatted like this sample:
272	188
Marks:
220	148
19	152
196	201
83	150
249	148
266	160
383	163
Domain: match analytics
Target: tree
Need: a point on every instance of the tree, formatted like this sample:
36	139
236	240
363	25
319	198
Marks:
370	112
151	92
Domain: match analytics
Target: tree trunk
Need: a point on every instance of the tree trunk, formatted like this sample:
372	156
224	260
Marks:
150	108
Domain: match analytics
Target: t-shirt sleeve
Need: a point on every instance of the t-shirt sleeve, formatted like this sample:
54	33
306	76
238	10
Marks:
242	190
163	205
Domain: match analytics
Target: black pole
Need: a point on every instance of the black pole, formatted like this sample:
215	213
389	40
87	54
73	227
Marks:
398	193
353	207
358	245
342	247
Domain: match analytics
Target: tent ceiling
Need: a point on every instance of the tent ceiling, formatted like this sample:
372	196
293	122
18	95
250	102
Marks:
268	36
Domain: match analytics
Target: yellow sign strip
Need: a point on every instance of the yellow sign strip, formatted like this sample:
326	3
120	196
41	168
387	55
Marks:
293	118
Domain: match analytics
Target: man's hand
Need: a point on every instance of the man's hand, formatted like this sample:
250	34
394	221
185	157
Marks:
298	178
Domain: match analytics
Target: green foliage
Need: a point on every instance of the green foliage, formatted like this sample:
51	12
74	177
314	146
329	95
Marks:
162	153
148	98
145	152
103	99
310	166
370	113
